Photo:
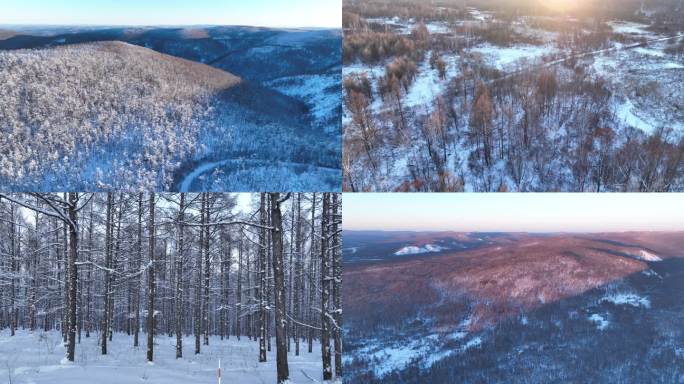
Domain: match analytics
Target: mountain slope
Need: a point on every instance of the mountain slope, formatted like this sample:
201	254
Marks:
109	115
538	305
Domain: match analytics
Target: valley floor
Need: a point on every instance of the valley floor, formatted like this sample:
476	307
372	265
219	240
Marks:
38	357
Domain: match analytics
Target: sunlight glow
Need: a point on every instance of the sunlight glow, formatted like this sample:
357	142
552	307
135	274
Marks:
514	212
560	5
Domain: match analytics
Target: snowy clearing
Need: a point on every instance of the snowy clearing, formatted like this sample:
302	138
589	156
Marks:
627	299
414	250
648	256
36	358
505	57
600	321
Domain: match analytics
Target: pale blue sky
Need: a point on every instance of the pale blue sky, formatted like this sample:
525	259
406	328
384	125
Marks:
514	212
272	13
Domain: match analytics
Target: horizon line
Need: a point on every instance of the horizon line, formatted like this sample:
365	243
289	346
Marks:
500	231
167	25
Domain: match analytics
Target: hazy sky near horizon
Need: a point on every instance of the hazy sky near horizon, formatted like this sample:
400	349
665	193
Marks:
514	212
270	13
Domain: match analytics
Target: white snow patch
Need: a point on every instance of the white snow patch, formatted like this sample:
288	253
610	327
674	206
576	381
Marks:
627	299
679	351
648	256
629	28
479	15
428	85
505	57
312	89
649	52
625	112
414	250
473	343
437	27
601	322
651	273
673	66
38	358
458	335
358	68
390	358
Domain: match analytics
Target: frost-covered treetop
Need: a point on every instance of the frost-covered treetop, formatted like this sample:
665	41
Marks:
105	114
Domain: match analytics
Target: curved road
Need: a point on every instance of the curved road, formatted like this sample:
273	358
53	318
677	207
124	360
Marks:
203	168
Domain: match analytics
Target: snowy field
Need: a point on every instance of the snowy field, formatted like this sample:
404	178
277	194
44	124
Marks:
38	358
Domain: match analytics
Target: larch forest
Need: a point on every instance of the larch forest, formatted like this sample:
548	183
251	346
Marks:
146	267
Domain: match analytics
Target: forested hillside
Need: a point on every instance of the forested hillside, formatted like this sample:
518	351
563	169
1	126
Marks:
118	108
513	96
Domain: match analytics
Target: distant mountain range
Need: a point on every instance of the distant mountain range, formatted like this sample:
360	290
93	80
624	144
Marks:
559	307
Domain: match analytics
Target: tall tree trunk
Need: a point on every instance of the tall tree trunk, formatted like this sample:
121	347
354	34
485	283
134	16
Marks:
325	291
298	274
290	269
65	249
207	270
249	296
136	294
311	279
262	279
115	258
89	293
269	276
179	279
13	323
279	280
108	264
225	297
73	277
198	292
337	286
151	286
238	303
222	297
34	277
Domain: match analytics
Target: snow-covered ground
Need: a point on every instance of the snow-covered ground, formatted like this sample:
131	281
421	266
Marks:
643	80
322	93
600	321
428	85
386	357
625	298
629	28
646	86
415	250
506	57
38	358
649	256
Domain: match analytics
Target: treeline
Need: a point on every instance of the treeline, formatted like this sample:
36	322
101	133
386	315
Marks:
147	265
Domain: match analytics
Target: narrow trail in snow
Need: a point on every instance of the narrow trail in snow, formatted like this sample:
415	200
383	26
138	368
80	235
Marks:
186	184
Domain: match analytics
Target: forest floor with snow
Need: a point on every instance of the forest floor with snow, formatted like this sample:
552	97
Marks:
38	357
634	64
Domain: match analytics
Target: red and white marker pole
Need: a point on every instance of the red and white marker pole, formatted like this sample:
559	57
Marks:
218	372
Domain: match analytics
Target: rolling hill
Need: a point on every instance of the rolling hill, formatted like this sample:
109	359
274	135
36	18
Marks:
523	308
218	123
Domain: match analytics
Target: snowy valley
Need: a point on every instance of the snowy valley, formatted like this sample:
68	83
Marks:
187	108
